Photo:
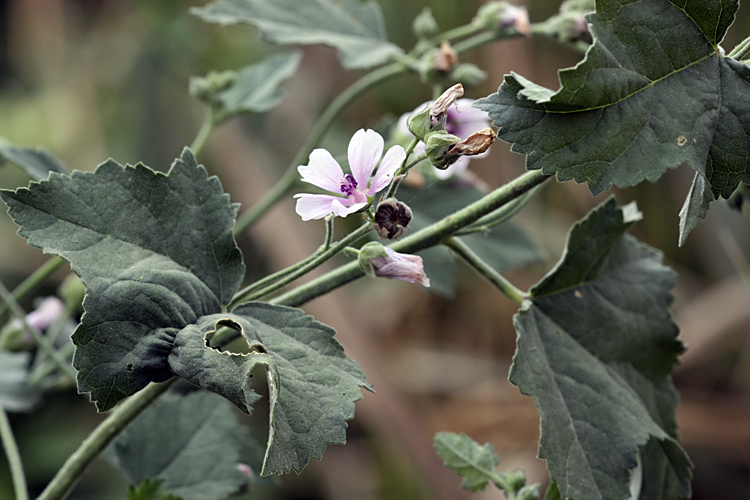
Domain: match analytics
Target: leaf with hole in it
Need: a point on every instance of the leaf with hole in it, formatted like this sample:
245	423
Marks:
155	252
159	261
653	92
355	28
596	345
314	390
184	445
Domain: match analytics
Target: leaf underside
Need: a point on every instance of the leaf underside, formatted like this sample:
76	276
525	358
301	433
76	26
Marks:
653	93
355	28
38	163
596	345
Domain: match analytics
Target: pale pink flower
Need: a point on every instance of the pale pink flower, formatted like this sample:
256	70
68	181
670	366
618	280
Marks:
354	191
462	120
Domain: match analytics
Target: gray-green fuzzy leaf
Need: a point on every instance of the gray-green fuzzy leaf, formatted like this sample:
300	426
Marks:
475	463
653	92
190	443
596	344
38	163
155	252
16	393
313	394
353	27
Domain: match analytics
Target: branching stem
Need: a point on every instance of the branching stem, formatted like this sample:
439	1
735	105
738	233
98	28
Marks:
485	270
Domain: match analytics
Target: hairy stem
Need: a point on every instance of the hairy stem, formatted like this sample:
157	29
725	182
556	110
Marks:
485	270
303	267
14	457
205	131
95	443
741	50
425	238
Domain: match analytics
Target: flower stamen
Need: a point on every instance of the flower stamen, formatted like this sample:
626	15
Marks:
349	185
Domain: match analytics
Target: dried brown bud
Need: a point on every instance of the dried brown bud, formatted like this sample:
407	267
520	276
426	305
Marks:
476	143
447	58
391	219
442	103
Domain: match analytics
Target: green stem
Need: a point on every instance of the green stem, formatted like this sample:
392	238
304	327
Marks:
300	270
42	341
336	106
499	281
329	232
741	50
205	131
32	282
14	457
425	238
95	443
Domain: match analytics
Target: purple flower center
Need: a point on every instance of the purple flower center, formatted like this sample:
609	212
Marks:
349	186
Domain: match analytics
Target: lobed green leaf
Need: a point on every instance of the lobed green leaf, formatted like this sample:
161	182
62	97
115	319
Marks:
312	385
596	345
653	92
155	252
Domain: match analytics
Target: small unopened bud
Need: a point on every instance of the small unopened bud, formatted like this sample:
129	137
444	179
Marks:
379	261
528	492
391	219
436	147
205	88
477	143
499	16
446	58
469	74
425	25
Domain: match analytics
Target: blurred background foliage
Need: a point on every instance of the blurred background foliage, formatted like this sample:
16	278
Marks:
93	80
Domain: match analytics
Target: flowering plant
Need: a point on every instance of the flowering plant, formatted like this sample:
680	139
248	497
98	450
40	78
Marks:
181	325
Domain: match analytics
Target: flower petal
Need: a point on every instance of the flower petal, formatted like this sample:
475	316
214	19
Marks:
457	168
322	171
364	152
392	160
341	207
314	206
463	120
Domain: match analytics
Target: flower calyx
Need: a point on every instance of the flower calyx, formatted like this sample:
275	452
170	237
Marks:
391	219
